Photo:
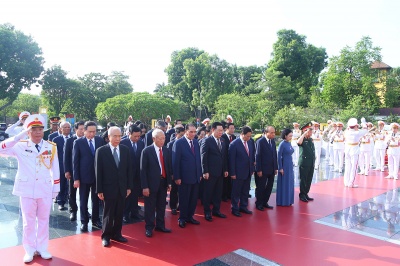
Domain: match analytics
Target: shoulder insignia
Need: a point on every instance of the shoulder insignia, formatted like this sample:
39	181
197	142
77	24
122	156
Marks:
52	143
23	140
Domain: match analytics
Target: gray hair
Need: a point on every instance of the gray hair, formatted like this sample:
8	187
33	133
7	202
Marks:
156	132
111	129
160	123
64	123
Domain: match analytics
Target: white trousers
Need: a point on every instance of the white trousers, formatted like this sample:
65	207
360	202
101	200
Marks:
364	160
350	169
317	154
380	159
393	165
338	156
295	155
331	155
35	218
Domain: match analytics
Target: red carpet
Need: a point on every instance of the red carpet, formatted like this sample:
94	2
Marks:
286	235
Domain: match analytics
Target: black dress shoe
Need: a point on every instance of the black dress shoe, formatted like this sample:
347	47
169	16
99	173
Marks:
149	233
89	215
72	216
126	220
260	208
193	221
105	242
181	223
237	214
268	206
120	239
97	224
174	212
308	198
304	199
219	214
163	229
245	211
84	228
208	217
62	208
249	196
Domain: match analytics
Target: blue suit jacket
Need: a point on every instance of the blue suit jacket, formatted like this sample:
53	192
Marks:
186	165
135	157
68	155
240	163
266	157
83	159
54	135
59	141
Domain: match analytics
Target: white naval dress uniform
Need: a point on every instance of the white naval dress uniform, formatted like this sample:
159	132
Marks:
351	153
330	147
37	181
295	155
380	150
364	159
393	141
317	140
338	150
14	129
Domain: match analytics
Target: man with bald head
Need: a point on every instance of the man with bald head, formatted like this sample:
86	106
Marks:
114	183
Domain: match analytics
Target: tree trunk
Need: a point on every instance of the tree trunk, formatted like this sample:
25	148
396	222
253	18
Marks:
5	105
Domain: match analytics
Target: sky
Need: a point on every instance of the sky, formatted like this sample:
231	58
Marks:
138	37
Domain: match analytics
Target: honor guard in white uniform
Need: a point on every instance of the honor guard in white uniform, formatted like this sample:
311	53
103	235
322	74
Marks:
19	126
393	141
364	158
330	136
380	146
296	136
229	119
317	140
326	139
352	151
338	147
37	182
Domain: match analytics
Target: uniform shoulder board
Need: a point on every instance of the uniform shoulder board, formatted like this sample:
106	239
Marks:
24	140
52	143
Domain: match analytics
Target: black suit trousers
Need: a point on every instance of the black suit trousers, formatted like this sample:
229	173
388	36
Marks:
227	188
73	207
240	193
155	203
188	195
264	185
112	217
84	191
212	193
306	176
131	202
63	194
173	196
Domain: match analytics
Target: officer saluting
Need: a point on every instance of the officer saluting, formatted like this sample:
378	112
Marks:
36	183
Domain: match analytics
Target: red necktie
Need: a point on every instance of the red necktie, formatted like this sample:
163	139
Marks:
162	164
192	147
247	149
230	138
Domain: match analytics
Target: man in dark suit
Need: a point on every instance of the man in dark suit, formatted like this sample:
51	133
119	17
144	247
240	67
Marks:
228	137
83	154
113	183
186	166
155	173
241	168
69	144
60	141
173	194
266	168
149	138
135	147
170	134
214	164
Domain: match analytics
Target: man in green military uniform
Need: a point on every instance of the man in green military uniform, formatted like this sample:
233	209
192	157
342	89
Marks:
306	162
54	126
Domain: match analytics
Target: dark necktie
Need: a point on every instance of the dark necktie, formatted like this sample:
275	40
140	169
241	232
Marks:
115	155
269	142
162	164
230	138
91	146
191	146
219	145
37	147
134	148
247	149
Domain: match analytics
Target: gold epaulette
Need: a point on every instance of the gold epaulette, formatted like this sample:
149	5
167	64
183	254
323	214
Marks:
23	140
52	143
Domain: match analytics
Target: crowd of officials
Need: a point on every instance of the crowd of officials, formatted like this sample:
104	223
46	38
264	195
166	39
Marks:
209	163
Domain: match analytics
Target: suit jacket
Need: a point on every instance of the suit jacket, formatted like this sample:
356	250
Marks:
150	172
54	135
83	159
213	160
266	157
169	133
148	140
59	141
67	156
113	180
241	164
135	157
186	165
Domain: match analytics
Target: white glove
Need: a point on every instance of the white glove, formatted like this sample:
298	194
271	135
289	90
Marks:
21	135
55	195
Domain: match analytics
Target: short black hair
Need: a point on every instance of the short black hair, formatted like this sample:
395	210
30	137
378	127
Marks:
134	128
177	120
160	123
216	124
246	129
227	125
111	124
89	124
141	126
179	130
79	123
189	125
137	122
285	132
203	128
